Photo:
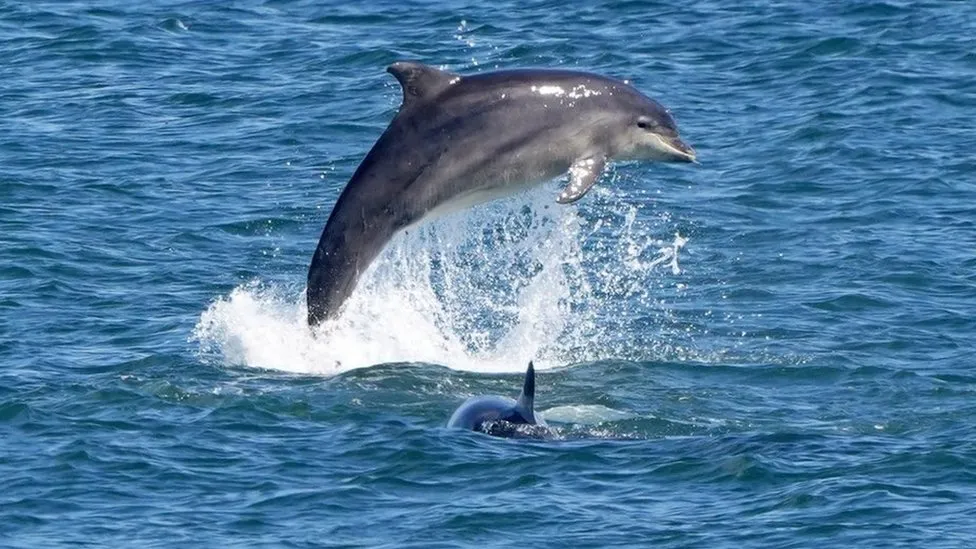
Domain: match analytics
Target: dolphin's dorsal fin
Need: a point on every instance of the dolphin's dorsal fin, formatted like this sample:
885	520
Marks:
526	400
420	82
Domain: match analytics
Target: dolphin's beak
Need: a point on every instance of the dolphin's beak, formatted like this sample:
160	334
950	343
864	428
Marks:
682	152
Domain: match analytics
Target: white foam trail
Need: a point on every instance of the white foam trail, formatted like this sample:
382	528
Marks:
585	414
484	290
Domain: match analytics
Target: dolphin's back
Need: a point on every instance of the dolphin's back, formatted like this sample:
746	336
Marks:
476	411
479	410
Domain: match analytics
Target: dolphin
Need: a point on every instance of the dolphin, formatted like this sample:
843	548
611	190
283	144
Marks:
481	413
459	140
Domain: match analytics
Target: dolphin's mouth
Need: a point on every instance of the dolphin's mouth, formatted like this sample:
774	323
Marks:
680	151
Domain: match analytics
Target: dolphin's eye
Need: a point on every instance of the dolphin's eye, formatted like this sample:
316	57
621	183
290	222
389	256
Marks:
645	123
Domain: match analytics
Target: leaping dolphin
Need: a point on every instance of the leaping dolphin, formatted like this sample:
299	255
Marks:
461	140
481	413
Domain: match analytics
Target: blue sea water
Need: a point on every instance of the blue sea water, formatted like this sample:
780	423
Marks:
774	348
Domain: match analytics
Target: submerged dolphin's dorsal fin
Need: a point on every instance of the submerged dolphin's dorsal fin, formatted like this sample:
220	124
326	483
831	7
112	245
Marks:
526	400
420	82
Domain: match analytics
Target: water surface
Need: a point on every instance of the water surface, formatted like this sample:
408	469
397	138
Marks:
771	349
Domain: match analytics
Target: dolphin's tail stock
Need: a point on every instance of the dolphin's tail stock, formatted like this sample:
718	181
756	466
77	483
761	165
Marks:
348	244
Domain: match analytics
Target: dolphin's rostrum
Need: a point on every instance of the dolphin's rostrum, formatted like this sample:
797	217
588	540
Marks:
482	413
461	140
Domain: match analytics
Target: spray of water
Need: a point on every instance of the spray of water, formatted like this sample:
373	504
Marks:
486	289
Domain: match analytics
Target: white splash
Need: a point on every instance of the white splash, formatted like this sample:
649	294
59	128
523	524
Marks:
486	289
577	92
581	91
463	34
549	90
587	414
669	253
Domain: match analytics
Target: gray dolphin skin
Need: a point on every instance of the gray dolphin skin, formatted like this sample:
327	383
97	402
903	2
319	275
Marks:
458	141
478	412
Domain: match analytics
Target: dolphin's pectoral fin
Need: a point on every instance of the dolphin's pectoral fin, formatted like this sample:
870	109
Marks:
420	82
582	175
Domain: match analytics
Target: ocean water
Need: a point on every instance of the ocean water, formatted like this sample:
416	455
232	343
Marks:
774	348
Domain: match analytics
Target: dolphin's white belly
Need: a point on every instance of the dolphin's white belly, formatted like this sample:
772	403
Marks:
505	178
475	197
